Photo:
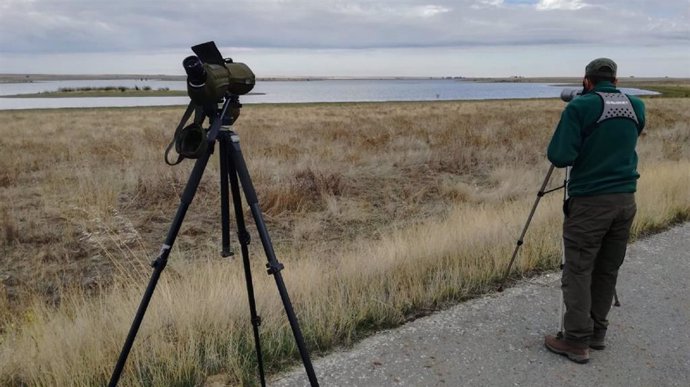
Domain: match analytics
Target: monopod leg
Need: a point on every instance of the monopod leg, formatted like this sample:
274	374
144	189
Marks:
274	267
562	308
244	239
160	262
524	229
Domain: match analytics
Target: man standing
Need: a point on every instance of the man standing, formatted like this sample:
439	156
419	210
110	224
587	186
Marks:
596	136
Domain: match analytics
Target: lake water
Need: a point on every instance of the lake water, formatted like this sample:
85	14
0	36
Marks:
289	92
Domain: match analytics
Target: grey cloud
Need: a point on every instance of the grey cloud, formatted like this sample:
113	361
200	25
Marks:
97	25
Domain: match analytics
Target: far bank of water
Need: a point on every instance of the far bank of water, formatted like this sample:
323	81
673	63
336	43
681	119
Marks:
288	92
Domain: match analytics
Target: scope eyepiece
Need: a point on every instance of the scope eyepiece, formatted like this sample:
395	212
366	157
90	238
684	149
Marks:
196	74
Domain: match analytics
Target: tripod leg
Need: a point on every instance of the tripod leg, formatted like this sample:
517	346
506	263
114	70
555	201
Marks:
244	239
274	267
160	262
524	229
224	201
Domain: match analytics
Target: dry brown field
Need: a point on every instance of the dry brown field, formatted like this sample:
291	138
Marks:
381	212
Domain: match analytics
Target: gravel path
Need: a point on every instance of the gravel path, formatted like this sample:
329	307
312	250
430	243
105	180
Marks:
497	340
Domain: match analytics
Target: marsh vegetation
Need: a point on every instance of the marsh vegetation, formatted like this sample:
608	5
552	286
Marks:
381	212
106	91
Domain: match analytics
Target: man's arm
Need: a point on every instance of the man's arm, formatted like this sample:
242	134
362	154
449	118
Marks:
638	105
565	143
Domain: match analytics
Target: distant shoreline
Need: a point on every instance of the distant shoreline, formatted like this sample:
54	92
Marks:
28	78
667	87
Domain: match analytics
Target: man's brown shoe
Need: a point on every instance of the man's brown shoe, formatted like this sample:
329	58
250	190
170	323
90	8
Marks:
577	353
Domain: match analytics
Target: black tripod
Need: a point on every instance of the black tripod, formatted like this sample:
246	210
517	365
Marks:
542	191
232	166
520	241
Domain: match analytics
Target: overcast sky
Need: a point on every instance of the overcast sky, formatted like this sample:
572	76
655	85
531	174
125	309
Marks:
349	37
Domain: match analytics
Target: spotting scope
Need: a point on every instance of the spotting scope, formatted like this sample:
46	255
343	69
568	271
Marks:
210	76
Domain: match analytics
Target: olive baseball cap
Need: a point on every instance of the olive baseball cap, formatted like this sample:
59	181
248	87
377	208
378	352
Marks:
601	67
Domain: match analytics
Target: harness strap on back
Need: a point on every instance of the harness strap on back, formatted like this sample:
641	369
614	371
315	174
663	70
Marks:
615	105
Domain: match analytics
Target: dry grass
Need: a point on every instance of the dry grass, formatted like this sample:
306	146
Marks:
380	212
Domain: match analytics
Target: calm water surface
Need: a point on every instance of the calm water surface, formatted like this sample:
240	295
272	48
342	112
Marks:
288	92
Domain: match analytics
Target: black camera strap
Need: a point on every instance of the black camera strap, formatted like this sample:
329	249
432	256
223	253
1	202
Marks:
185	118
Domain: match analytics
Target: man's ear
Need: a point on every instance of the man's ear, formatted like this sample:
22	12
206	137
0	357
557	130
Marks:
587	84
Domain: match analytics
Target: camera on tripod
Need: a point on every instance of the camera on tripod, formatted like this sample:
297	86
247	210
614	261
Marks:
210	76
211	80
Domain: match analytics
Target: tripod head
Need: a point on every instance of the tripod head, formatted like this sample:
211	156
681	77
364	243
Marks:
232	113
193	141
